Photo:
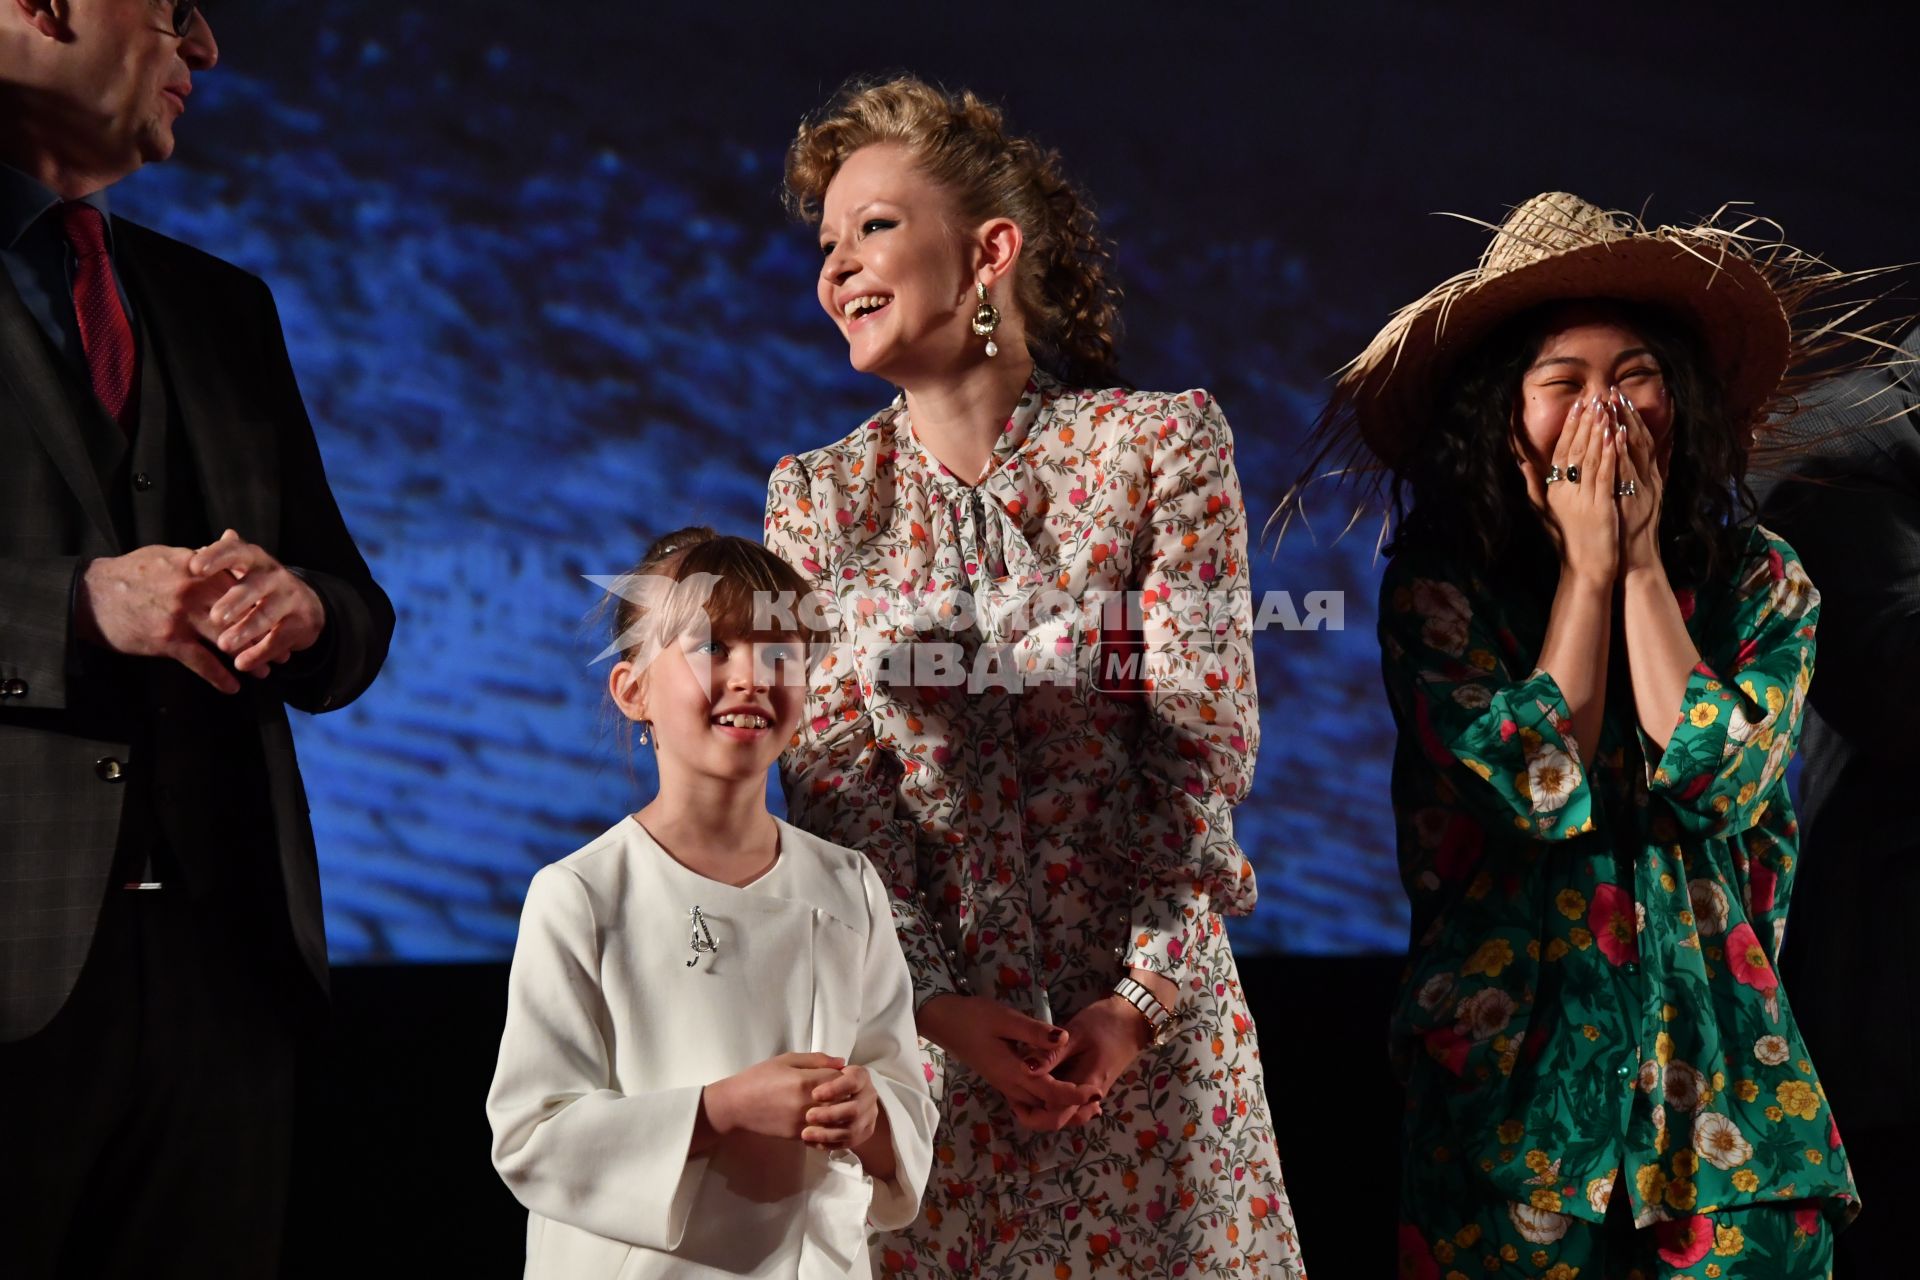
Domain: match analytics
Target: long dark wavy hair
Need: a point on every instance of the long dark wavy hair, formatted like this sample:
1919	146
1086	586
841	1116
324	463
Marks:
1458	489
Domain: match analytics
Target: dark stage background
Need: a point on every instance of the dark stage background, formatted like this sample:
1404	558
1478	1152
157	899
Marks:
544	306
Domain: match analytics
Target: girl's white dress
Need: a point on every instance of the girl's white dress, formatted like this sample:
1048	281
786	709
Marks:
611	1035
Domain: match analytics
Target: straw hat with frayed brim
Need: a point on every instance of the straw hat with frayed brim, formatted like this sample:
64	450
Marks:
1557	247
1773	320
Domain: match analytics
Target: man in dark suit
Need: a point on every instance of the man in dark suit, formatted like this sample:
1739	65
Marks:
173	573
1851	507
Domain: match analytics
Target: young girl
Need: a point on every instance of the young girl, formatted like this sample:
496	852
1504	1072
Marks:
709	1065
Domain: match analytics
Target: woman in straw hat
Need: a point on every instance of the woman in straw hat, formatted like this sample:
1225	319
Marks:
1060	849
1597	664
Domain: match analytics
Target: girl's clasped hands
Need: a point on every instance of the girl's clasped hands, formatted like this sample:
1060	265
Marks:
814	1098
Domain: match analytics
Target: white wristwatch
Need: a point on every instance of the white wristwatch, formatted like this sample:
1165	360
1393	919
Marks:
1159	1017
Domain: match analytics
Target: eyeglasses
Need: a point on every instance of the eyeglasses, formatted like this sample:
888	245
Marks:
184	12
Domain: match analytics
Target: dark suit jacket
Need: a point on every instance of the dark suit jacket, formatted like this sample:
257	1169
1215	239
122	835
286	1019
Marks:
1851	508
217	337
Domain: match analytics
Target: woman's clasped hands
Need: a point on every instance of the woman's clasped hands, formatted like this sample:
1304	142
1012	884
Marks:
1012	1052
1052	1077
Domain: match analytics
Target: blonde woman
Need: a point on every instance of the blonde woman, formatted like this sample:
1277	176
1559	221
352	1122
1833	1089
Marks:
1057	838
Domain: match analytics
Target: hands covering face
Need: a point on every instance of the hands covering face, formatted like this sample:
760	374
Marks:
1644	480
1601	495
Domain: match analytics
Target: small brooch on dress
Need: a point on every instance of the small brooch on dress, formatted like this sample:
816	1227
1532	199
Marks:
701	942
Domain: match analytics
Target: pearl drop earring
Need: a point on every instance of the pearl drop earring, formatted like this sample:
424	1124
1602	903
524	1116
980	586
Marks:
986	318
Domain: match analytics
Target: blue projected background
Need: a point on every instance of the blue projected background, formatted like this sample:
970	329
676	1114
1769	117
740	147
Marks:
544	306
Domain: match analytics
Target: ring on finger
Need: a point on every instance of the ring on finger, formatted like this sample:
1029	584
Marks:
1573	473
1553	475
1625	489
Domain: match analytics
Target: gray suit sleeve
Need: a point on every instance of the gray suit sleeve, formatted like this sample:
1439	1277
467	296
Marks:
36	630
315	543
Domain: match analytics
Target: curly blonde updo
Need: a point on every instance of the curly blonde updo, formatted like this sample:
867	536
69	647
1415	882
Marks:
1063	284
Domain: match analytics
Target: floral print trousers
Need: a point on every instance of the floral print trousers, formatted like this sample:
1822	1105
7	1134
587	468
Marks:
1456	1226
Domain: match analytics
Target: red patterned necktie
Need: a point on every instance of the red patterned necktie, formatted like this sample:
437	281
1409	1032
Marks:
105	334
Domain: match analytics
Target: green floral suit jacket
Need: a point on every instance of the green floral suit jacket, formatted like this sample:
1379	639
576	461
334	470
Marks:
1591	983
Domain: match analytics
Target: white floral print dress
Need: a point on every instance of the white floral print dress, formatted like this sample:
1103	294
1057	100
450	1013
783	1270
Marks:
1041	830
